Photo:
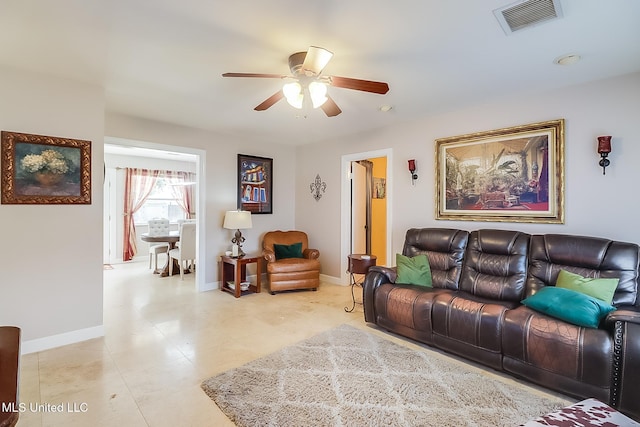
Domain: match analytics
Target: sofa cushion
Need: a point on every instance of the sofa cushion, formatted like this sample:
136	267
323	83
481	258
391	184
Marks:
470	326
602	289
293	250
495	265
292	265
406	309
284	238
413	270
568	358
571	306
444	247
587	256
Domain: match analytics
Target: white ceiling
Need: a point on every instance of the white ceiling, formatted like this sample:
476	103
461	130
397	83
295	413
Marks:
163	59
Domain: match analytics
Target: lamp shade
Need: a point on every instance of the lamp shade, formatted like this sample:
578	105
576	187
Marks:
318	92
237	220
293	93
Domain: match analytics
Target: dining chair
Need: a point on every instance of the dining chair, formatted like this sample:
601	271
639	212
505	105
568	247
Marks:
186	252
183	221
158	227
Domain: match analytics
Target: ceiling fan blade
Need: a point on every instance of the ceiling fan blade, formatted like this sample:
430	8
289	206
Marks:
266	76
270	101
357	84
316	59
330	108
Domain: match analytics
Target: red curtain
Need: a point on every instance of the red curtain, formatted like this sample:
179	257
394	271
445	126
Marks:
183	192
138	185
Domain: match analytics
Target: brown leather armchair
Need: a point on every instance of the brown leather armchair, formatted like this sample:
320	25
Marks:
290	273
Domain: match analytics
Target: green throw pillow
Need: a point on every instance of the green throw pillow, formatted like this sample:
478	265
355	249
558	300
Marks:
570	306
413	271
598	288
288	251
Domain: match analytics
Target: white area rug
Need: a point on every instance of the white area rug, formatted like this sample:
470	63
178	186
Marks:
350	377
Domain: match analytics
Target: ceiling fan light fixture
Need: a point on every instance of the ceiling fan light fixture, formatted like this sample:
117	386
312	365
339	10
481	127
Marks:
318	93
306	68
315	60
293	93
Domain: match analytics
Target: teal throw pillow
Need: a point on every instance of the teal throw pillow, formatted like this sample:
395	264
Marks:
570	306
602	289
288	251
413	271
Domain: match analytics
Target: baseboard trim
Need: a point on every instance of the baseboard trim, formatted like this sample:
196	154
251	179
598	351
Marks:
53	341
216	285
323	278
210	286
332	279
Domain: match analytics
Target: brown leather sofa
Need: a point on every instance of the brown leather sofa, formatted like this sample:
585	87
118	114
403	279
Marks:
291	273
474	309
9	374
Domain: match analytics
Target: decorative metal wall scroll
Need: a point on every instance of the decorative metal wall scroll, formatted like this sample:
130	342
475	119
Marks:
318	187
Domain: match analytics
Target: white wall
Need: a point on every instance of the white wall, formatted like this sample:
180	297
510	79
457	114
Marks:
596	205
51	256
220	181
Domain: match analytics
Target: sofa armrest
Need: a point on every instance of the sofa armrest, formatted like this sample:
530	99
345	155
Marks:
625	390
625	383
375	277
390	272
269	255
624	314
311	253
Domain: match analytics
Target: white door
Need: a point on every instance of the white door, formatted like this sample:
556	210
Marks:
358	208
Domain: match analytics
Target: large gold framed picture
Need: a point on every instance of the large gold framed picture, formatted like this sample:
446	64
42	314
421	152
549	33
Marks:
513	174
40	169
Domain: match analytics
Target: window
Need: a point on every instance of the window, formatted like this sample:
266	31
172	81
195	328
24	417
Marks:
163	202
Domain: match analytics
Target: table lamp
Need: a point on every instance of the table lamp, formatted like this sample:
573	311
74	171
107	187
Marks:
236	220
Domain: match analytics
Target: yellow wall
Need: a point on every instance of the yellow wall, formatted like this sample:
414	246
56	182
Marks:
379	215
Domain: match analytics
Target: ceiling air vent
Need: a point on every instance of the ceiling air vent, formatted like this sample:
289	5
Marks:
527	13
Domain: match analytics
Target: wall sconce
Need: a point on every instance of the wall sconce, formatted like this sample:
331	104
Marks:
604	148
412	169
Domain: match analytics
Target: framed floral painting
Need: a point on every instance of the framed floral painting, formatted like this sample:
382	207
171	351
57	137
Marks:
513	174
40	169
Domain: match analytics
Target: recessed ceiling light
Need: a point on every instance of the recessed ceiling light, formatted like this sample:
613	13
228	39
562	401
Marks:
385	108
569	59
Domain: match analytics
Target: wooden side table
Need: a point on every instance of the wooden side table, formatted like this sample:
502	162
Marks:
358	264
235	270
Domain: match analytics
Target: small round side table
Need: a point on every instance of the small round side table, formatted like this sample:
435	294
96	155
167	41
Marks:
358	264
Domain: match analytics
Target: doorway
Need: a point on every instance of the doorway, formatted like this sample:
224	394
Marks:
361	184
150	154
366	206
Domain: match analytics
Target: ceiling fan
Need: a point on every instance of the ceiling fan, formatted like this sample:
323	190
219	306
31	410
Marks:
306	68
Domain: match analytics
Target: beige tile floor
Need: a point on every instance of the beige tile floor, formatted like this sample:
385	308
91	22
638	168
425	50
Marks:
162	339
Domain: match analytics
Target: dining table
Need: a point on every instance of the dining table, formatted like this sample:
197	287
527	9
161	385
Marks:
172	238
